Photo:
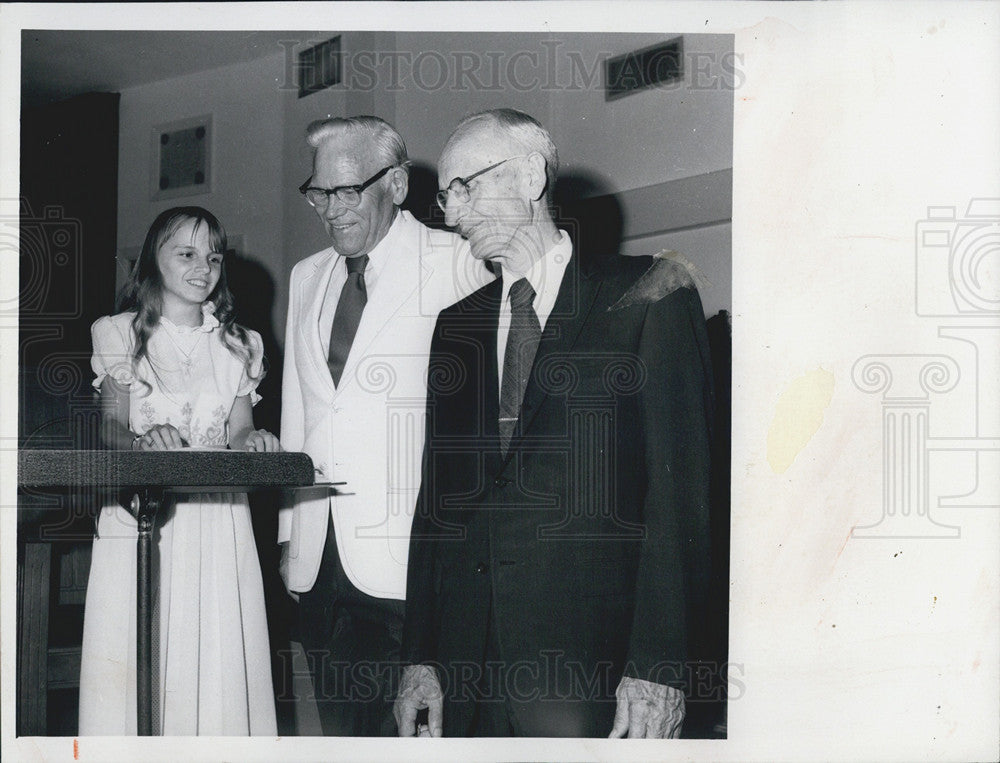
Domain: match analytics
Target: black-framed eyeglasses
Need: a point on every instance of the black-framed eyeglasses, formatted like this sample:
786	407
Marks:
459	187
349	195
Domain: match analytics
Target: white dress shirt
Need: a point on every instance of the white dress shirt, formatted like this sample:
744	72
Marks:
545	277
338	277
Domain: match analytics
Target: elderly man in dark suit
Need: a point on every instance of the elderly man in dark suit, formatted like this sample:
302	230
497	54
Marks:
559	554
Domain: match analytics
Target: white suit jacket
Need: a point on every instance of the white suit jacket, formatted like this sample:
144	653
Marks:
369	431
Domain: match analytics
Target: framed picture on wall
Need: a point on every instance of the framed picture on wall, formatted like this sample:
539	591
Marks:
181	158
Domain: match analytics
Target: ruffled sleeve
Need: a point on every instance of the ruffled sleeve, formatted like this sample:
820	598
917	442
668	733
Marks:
113	346
248	383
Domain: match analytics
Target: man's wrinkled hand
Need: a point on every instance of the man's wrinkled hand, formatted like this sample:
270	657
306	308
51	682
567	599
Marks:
283	568
647	710
419	688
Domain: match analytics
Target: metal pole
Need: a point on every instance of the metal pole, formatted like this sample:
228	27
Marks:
145	505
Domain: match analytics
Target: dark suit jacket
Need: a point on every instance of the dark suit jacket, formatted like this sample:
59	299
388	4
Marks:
588	543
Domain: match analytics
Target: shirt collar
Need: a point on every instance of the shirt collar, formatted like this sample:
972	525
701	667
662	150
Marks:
379	253
545	275
208	321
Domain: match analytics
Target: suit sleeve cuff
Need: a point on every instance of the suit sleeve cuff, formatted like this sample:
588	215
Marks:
285	524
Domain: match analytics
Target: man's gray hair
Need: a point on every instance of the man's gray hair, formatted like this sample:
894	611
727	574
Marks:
522	129
383	136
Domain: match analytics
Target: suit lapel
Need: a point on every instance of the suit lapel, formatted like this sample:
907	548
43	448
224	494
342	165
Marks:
398	280
491	402
569	314
312	292
482	354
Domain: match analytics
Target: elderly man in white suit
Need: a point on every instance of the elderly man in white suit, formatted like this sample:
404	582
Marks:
360	318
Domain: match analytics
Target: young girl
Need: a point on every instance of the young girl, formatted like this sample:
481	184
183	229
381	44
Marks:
175	371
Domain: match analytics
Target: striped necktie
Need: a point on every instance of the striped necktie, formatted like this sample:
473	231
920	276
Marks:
522	343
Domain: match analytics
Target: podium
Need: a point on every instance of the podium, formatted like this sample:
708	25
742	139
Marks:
141	480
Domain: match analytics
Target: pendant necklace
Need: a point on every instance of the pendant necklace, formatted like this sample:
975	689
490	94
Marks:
187	361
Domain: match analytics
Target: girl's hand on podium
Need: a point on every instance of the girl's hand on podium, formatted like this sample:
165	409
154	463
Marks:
160	437
262	441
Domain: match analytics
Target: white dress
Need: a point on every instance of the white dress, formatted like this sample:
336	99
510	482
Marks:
214	671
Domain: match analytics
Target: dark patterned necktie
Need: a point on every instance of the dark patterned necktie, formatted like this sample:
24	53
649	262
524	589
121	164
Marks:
522	343
351	304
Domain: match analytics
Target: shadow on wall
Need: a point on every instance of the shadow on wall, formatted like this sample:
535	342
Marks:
591	213
421	201
253	289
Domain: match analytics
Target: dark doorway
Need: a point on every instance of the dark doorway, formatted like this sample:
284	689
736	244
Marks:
67	216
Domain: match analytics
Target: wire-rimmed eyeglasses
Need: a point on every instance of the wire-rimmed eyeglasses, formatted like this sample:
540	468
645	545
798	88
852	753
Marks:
349	195
459	187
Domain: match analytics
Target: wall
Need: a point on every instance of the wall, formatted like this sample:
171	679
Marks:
673	143
671	131
247	194
660	134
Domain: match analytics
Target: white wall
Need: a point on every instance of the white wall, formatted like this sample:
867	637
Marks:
452	75
247	157
664	133
645	138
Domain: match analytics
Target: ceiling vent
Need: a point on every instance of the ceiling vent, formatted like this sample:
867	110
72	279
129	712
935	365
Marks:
642	69
320	67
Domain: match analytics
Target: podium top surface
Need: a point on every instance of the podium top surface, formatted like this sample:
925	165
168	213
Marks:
176	469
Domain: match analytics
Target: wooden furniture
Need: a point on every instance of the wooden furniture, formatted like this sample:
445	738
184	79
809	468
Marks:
140	481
